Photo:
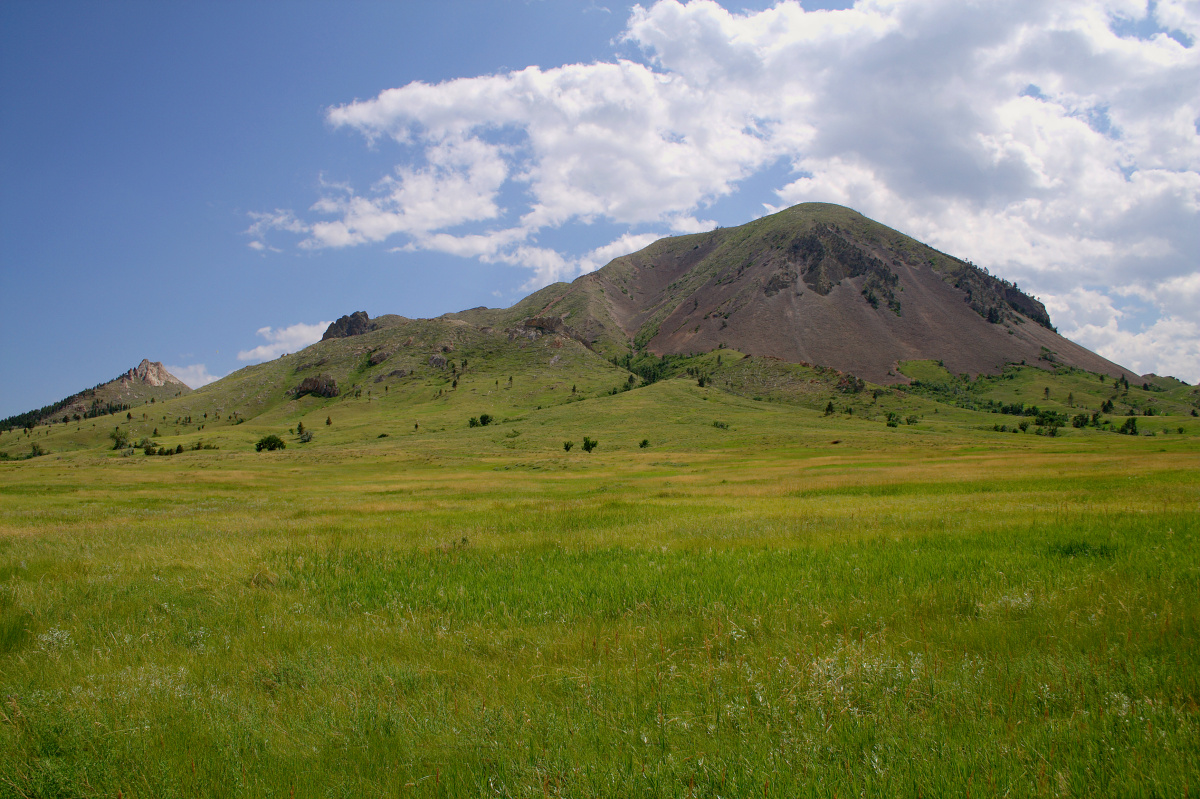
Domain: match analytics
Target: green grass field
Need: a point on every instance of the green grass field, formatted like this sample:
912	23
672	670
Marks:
766	600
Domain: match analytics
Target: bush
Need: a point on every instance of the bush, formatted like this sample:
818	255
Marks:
567	445
485	420
306	437
645	443
589	444
270	443
1129	428
473	421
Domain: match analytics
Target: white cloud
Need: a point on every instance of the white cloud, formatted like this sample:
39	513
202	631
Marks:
1030	137
194	375
283	340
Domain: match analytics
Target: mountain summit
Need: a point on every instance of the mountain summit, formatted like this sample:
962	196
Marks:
816	283
150	373
149	381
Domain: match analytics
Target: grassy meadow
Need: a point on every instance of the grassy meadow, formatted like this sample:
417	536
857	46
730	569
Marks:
770	598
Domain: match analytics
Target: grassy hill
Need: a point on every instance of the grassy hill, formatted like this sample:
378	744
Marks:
769	597
766	578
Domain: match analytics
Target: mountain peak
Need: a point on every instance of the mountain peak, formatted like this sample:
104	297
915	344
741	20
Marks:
151	373
816	283
354	324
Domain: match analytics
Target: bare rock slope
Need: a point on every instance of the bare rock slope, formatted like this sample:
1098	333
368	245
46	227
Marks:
816	283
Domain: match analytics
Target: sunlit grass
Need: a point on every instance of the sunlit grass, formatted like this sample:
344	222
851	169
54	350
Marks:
734	612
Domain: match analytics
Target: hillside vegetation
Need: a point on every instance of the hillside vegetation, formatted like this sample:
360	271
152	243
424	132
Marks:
588	546
765	578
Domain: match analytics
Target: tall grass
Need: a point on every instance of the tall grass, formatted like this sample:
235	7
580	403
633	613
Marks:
745	622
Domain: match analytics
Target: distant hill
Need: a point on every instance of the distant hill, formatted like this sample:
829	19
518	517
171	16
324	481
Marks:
818	284
148	381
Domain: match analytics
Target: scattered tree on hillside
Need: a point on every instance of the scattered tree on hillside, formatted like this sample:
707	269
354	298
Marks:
567	445
270	443
589	444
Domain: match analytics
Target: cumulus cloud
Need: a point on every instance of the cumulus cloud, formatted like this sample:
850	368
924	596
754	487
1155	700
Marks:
283	340
194	375
1039	139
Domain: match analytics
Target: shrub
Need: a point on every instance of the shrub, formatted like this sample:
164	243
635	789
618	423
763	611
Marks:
485	420
270	443
306	437
473	421
589	444
328	421
721	425
645	443
1129	428
567	445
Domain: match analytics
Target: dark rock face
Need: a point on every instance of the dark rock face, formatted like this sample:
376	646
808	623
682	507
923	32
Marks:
1023	303
393	373
321	386
437	361
355	324
379	356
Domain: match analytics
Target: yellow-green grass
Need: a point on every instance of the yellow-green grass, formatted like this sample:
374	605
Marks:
734	610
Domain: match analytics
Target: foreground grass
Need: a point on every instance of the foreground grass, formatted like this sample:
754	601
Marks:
745	620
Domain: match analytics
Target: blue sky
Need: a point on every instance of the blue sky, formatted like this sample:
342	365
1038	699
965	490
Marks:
206	184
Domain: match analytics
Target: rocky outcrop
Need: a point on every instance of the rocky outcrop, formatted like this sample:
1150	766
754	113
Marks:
394	373
355	324
151	373
320	385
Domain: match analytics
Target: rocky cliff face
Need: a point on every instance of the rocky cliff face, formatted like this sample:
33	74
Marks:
151	373
355	324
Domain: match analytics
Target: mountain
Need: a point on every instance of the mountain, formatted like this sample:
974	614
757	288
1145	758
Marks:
816	283
149	381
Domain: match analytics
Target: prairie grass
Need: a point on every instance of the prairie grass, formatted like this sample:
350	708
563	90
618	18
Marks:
792	604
